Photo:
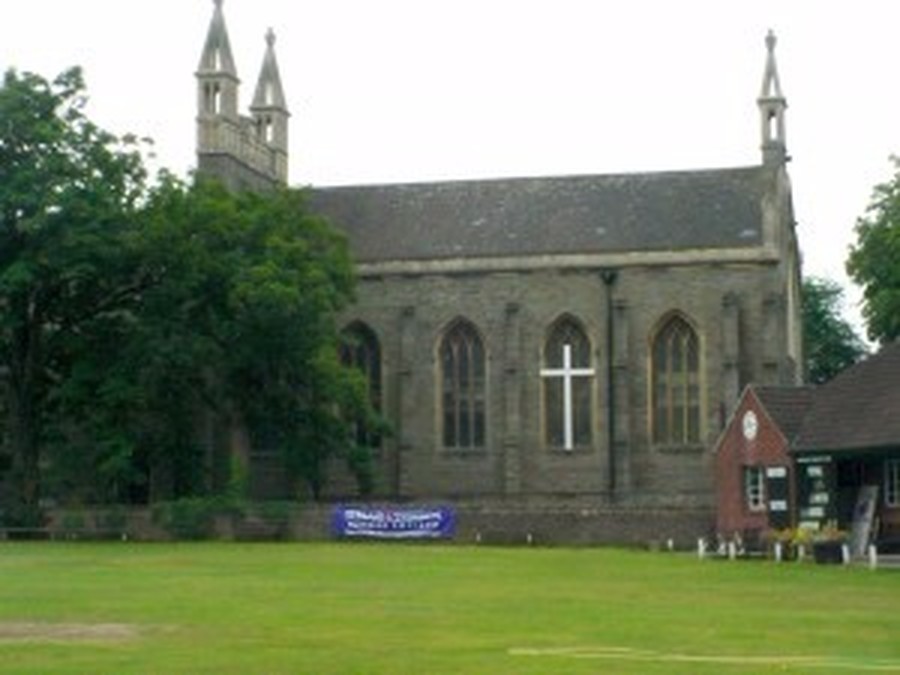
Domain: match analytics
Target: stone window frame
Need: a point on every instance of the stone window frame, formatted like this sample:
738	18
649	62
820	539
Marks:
579	444
892	483
212	98
470	409
754	481
371	363
687	440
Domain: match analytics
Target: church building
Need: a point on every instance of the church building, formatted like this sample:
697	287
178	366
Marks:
554	353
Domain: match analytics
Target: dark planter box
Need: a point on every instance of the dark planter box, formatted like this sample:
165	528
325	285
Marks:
828	552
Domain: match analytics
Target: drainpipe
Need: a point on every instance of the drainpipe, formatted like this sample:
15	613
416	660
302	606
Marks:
609	277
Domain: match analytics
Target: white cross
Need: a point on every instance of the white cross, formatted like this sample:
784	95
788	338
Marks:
568	373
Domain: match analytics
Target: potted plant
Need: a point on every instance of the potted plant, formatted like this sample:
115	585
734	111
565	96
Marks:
780	543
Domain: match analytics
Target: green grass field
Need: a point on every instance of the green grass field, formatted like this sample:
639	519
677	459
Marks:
332	608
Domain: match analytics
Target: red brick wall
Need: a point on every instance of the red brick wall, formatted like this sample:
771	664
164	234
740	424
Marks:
733	453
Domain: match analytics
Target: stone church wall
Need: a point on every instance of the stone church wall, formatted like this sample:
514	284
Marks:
513	311
737	291
234	174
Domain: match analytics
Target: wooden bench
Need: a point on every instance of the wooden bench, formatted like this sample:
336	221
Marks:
25	533
60	534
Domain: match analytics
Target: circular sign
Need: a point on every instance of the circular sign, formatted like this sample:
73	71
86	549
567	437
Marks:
750	425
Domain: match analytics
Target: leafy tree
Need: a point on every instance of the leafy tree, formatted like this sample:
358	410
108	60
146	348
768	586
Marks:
245	319
69	193
239	331
131	314
830	343
874	261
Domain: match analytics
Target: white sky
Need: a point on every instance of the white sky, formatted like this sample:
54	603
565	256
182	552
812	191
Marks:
415	90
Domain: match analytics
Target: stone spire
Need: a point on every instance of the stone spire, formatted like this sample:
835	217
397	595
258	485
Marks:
269	93
216	75
772	105
269	107
244	152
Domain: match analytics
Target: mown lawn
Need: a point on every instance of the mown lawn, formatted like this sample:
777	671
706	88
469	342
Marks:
368	608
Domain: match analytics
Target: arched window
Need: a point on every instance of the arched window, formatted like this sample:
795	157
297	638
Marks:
359	348
567	378
264	129
212	95
462	385
676	383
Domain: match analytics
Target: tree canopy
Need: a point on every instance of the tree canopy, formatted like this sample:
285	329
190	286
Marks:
69	193
830	343
136	313
874	261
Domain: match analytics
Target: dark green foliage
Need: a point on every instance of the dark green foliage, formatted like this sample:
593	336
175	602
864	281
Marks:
874	261
69	195
188	518
114	519
245	320
829	343
73	524
140	324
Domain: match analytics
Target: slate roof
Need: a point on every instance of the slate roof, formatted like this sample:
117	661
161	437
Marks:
787	406
553	215
857	410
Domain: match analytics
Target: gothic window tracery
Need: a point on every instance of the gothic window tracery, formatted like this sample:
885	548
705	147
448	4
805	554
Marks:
463	385
359	348
675	366
567	382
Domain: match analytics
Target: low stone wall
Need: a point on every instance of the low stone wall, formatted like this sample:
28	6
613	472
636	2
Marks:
563	521
557	524
117	522
544	521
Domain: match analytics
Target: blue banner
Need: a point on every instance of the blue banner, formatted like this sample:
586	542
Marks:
394	523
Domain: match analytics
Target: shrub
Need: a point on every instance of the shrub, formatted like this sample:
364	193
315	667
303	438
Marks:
189	518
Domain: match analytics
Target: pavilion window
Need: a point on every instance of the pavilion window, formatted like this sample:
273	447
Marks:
755	488
892	482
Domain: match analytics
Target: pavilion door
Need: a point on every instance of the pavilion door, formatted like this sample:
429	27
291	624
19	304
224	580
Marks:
778	497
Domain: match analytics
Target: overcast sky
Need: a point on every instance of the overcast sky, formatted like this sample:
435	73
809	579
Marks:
415	90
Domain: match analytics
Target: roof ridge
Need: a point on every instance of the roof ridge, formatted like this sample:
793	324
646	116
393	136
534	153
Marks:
487	180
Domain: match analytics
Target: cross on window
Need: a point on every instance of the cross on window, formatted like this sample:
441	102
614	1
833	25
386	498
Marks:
568	373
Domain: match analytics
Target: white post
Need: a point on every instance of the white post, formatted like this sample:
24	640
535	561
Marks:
801	552
732	550
701	548
845	554
873	557
778	553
